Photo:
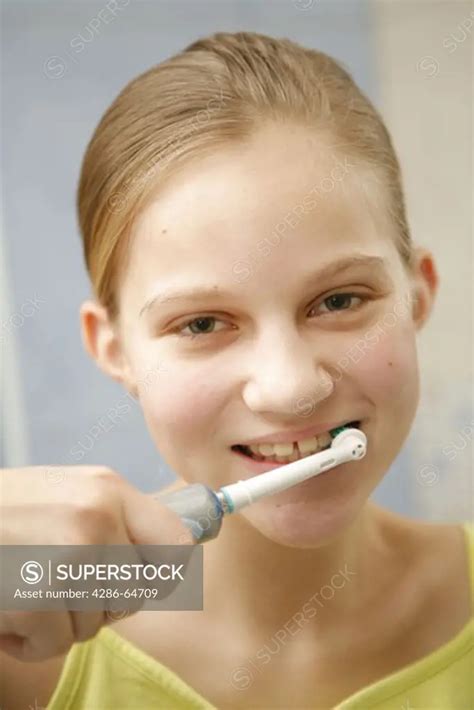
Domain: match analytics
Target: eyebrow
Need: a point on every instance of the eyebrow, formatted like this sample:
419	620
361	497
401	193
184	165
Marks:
328	271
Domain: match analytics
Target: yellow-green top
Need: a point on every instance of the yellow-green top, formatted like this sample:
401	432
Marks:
108	672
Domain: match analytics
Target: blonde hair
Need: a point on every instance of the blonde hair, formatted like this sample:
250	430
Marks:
219	89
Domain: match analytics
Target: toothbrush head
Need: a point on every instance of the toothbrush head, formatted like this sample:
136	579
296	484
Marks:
353	439
351	425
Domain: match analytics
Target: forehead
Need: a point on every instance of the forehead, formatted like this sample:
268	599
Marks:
286	185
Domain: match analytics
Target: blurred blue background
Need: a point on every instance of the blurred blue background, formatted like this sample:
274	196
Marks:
53	95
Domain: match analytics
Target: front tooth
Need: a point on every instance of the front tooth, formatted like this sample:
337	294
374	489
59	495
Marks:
306	446
276	449
283	449
266	449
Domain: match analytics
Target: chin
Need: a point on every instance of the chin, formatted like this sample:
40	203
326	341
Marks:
302	524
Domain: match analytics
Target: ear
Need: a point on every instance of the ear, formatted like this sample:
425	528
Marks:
101	340
425	282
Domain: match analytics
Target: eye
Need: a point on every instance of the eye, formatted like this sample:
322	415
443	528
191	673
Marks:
341	302
203	325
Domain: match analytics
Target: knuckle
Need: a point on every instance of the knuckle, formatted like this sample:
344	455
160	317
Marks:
106	471
94	519
105	474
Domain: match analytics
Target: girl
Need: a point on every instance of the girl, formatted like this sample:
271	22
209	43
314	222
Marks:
244	229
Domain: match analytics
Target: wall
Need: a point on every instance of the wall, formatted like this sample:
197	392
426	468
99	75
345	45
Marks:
53	96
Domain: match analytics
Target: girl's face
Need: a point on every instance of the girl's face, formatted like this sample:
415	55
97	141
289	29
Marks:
264	293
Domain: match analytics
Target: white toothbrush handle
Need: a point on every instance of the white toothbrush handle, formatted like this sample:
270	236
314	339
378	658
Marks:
348	445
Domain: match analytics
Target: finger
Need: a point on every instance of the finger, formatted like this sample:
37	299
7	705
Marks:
40	635
150	522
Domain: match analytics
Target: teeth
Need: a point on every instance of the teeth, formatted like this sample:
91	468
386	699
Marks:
291	451
324	439
307	446
265	449
283	449
287	452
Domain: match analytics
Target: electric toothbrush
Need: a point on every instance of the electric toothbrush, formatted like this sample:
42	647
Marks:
201	509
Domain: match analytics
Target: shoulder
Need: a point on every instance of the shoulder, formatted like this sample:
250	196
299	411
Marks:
437	558
435	548
25	685
423	540
446	546
451	552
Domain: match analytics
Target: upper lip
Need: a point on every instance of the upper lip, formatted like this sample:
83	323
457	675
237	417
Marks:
281	437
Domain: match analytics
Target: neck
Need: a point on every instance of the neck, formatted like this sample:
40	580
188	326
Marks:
258	583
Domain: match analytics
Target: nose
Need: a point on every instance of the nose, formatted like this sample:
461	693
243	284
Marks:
286	378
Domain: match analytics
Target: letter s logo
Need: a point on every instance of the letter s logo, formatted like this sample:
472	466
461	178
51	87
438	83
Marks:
31	572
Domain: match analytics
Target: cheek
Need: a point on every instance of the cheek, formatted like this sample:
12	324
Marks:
384	367
183	406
